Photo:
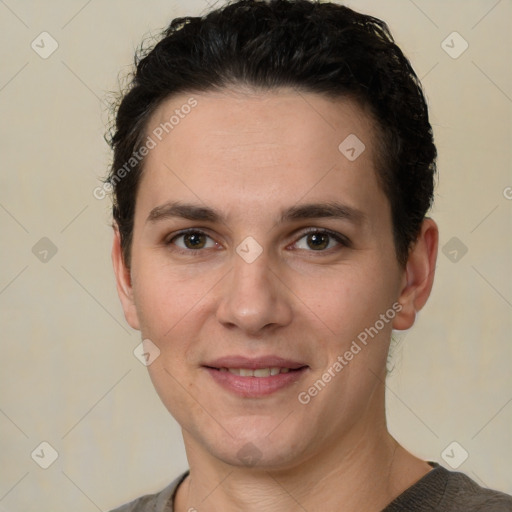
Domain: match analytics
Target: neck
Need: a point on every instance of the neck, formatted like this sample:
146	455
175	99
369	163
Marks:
364	472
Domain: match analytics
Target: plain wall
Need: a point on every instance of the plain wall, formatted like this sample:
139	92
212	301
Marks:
68	374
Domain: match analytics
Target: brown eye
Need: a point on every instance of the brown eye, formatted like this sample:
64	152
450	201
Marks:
317	241
320	241
192	240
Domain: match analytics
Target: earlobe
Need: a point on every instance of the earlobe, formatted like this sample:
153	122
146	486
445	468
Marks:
418	275
124	282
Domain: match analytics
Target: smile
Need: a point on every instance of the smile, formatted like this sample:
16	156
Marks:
260	372
255	382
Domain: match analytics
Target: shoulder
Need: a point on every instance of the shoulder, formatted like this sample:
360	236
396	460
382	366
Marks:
463	493
449	491
158	502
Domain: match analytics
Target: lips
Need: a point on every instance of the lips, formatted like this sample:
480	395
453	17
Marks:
259	372
256	377
245	363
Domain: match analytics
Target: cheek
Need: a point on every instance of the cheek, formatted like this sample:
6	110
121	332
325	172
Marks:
173	386
346	301
165	295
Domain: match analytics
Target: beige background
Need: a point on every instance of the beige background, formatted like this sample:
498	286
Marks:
68	374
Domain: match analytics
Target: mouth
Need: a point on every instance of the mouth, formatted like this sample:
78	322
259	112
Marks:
253	378
258	373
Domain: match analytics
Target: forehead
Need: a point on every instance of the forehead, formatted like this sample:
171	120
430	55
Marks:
259	148
238	118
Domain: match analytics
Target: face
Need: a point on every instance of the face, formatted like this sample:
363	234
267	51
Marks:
259	244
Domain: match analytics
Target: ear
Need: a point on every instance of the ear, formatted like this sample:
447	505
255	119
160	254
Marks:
418	275
124	282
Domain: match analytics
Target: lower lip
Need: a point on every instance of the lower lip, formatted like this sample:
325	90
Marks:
253	387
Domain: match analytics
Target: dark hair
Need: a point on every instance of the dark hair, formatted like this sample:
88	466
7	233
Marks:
322	48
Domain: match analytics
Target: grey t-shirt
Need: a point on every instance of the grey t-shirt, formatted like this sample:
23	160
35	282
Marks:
439	490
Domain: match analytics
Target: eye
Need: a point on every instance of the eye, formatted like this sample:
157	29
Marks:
317	240
192	239
320	240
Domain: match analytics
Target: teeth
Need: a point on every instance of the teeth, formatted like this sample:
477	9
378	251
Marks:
260	372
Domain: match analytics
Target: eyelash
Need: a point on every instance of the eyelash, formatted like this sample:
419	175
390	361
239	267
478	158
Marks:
341	239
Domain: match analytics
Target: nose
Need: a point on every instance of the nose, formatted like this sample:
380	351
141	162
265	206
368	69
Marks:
254	299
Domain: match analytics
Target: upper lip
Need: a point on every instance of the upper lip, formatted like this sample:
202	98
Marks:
254	363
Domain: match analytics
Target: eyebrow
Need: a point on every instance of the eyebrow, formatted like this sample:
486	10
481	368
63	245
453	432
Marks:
333	210
184	211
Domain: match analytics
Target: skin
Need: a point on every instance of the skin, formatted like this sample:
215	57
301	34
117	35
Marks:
250	156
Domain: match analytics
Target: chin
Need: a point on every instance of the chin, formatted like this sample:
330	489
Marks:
258	451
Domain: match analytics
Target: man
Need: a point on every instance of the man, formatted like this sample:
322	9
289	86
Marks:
273	167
